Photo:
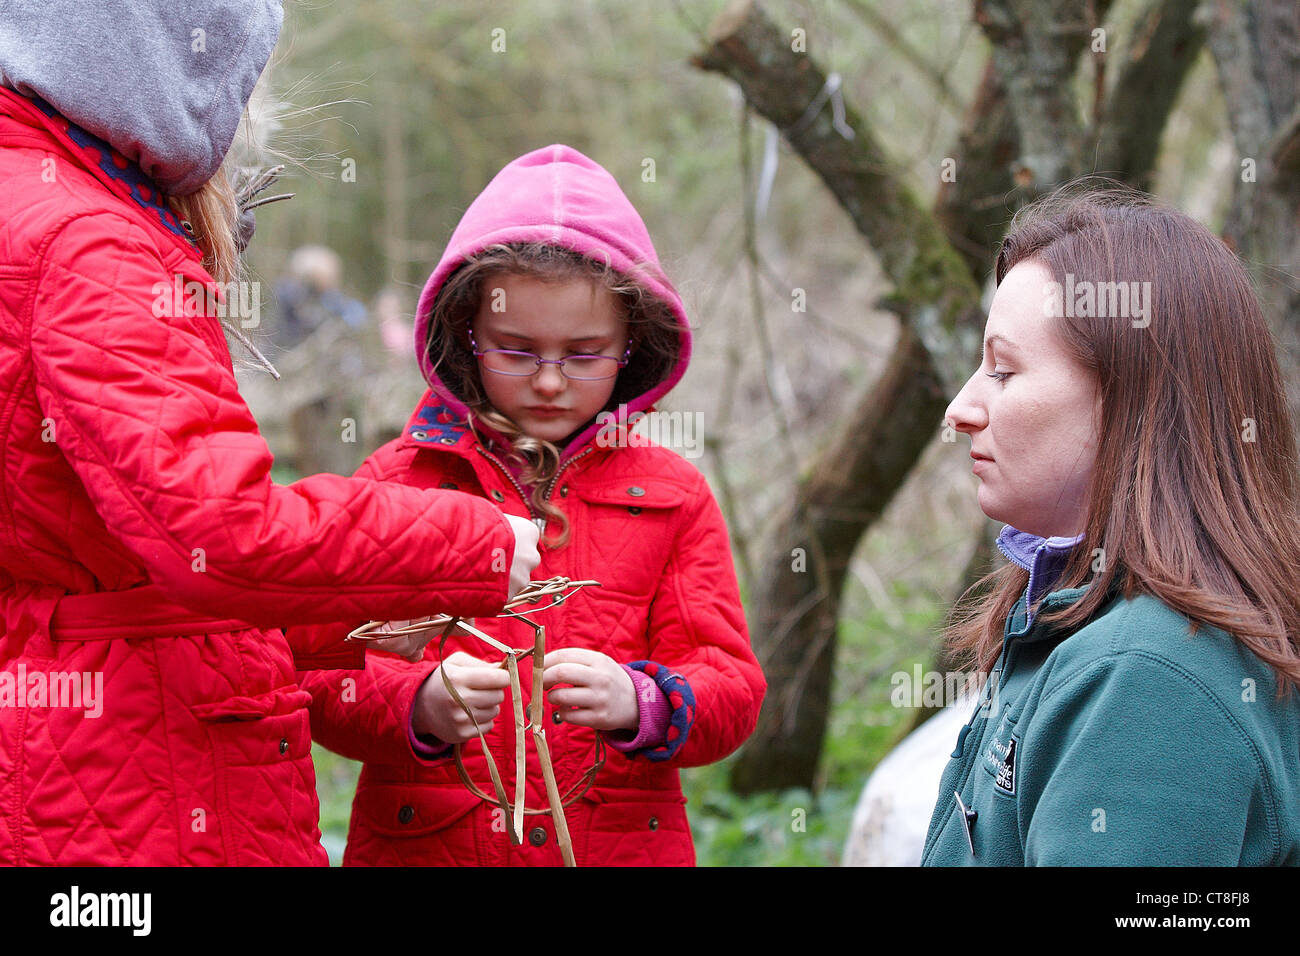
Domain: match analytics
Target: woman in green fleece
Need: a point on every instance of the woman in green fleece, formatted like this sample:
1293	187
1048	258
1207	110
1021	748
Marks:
1128	424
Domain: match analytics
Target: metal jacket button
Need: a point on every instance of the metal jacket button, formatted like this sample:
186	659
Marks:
564	492
449	485
636	492
284	745
537	836
498	495
654	823
406	814
634	511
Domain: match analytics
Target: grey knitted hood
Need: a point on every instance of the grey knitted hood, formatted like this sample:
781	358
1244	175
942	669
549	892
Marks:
163	81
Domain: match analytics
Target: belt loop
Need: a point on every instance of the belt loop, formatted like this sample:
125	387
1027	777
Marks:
28	609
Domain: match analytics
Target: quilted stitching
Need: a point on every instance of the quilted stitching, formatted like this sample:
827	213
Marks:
154	454
669	593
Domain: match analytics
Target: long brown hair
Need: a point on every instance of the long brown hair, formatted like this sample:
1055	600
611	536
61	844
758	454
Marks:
652	328
1194	497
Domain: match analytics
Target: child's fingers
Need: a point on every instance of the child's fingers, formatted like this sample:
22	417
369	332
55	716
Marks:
484	715
461	729
583	717
408	646
481	699
572	655
477	678
579	675
582	697
461	659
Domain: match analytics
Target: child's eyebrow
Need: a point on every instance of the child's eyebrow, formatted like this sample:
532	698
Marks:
602	336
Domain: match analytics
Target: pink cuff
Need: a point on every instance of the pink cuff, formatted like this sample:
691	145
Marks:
654	714
426	751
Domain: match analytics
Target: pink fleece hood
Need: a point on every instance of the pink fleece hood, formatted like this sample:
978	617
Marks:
559	196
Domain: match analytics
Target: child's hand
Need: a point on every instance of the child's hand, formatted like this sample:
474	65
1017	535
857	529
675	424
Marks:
602	696
480	684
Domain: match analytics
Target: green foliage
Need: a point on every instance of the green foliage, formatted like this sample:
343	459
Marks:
789	828
336	783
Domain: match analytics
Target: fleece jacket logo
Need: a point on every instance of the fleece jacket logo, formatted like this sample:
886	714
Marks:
1000	757
1006	773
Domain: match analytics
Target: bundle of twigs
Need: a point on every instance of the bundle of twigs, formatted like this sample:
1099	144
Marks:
558	589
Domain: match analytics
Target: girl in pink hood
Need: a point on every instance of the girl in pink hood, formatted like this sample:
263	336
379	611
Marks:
547	324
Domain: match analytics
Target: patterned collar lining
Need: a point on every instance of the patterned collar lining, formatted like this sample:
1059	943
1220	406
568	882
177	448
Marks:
129	180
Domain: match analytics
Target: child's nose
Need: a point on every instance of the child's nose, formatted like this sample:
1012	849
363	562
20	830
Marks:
549	380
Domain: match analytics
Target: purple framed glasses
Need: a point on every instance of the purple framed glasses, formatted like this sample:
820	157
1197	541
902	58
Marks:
579	368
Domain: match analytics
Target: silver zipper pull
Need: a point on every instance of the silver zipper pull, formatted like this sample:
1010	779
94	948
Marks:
968	821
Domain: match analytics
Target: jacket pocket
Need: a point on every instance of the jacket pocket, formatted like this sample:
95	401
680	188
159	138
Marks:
627	530
264	785
999	755
634	828
419	825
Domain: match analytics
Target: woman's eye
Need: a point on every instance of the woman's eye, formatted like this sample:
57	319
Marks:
998	376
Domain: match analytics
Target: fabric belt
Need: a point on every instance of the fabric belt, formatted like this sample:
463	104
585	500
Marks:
141	612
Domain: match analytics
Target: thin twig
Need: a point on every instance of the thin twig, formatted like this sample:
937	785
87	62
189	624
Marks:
559	589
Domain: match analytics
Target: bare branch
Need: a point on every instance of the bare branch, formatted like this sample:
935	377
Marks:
926	271
1165	43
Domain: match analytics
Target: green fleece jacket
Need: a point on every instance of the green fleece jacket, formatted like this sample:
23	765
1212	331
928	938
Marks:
1129	742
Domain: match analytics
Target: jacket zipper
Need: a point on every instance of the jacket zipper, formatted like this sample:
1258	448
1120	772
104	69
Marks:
556	477
512	479
520	488
959	752
984	698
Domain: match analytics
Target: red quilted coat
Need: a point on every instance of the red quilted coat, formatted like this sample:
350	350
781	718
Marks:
644	524
145	550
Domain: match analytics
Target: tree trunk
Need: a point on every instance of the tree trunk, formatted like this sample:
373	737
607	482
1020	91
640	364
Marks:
1256	49
1024	136
795	608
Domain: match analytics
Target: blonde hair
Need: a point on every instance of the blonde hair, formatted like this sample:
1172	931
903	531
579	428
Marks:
653	332
211	216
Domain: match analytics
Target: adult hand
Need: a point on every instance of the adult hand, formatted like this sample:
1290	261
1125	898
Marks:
526	557
409	646
480	684
599	695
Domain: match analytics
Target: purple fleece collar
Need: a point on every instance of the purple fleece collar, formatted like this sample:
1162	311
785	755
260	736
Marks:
1043	558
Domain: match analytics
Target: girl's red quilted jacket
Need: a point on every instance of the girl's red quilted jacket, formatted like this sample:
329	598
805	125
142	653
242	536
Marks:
644	524
144	548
